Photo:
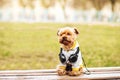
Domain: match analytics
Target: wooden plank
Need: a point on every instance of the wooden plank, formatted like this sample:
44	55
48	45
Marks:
51	74
41	74
103	69
100	69
29	71
56	77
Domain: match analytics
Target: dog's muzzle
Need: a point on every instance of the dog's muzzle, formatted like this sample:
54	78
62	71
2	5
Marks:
65	41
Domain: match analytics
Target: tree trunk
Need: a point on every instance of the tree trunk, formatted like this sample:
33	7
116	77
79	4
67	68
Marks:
113	4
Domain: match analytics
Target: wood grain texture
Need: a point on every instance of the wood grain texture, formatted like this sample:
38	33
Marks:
51	74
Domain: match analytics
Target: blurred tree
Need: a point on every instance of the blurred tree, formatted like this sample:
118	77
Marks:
113	4
22	3
4	3
77	4
99	4
46	3
27	3
63	4
31	3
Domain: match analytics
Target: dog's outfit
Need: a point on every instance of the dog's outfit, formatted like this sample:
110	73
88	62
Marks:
73	57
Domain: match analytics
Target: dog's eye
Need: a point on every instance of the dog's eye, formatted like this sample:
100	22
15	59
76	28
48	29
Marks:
68	34
60	34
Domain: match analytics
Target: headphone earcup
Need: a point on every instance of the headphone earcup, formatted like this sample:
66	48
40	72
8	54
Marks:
73	58
62	58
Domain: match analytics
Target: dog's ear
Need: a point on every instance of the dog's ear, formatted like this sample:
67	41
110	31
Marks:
76	31
58	32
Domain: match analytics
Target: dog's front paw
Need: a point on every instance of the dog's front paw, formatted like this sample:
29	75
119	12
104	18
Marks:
76	72
61	72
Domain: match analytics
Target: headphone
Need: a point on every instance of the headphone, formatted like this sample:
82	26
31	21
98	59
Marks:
72	59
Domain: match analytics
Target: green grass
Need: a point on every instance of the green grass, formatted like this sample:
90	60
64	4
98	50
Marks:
35	45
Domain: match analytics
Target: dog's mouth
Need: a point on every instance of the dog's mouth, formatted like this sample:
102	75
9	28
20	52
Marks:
65	41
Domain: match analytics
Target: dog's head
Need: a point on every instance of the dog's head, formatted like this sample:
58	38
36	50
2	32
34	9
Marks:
67	35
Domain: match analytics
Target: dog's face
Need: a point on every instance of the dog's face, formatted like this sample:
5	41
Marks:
67	35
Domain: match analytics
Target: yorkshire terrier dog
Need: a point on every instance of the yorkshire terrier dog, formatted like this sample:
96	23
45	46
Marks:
70	55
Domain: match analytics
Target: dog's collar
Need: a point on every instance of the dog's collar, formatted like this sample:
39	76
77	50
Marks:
74	45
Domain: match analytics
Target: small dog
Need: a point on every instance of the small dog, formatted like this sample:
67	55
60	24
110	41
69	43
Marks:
70	55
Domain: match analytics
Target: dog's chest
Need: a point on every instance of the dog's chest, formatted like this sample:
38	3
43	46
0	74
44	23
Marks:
69	53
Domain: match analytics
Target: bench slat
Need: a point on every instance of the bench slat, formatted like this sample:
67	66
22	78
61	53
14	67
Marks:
50	74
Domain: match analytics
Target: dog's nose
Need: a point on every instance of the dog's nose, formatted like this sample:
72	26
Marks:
64	38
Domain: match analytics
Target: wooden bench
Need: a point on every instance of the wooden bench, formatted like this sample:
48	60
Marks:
51	74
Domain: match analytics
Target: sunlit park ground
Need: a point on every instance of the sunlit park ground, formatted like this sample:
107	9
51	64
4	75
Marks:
35	45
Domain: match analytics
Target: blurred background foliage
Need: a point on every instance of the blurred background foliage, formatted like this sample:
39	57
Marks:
60	10
98	4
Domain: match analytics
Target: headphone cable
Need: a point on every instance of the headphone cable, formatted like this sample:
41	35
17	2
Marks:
87	71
